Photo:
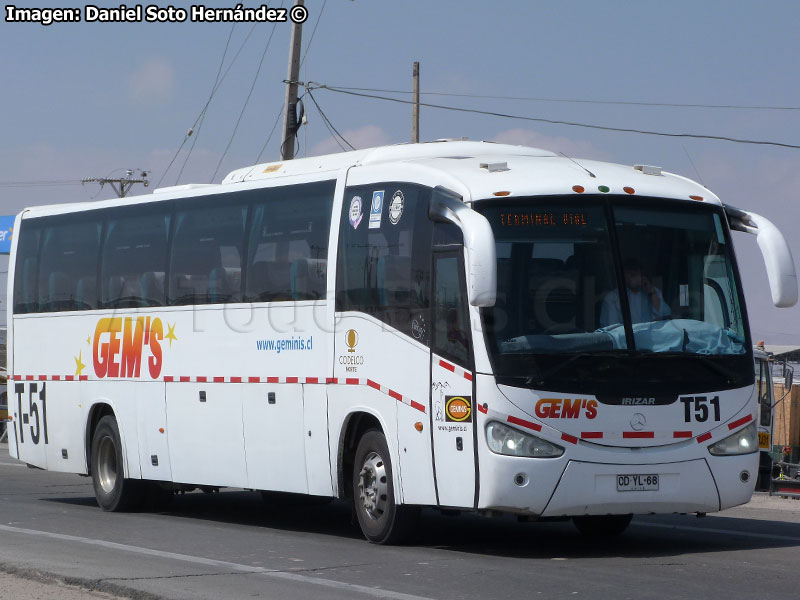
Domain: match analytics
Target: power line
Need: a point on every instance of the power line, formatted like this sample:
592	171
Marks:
575	100
246	101
41	183
327	121
271	132
313	31
557	121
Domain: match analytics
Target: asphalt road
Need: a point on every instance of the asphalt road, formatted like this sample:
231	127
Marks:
231	545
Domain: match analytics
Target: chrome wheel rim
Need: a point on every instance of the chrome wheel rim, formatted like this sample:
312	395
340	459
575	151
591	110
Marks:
373	486
107	464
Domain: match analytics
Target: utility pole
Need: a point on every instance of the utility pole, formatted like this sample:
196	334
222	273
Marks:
290	123
415	107
122	185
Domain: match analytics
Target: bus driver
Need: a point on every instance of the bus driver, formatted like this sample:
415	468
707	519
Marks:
645	300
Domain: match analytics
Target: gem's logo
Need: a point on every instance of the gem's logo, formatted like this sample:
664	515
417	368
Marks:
565	408
121	345
351	339
458	409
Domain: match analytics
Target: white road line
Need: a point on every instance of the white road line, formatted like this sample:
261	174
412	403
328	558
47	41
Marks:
5	464
198	560
750	534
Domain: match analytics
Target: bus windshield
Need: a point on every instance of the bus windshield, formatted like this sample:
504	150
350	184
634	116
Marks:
652	277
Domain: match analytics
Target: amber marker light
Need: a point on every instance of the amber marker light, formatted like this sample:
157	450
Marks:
502	193
160	430
418	426
629	190
698	198
578	189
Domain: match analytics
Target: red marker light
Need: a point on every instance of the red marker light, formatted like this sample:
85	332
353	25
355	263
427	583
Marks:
578	189
629	190
698	198
502	193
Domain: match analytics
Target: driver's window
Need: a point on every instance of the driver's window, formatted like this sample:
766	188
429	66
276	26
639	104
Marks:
450	319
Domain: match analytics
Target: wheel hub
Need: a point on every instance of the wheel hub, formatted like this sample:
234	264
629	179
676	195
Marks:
373	486
107	464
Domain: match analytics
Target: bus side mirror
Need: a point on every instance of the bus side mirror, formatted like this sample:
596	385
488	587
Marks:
447	206
788	377
777	255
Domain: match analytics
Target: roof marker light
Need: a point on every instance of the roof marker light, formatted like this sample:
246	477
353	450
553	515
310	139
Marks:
502	193
629	190
604	188
698	198
578	189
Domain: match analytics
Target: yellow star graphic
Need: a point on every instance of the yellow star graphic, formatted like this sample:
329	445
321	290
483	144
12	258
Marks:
171	334
79	366
89	340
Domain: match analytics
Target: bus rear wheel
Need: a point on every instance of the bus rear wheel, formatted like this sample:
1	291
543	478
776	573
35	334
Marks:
602	525
381	520
114	493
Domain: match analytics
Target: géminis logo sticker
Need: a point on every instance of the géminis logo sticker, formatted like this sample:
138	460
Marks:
458	409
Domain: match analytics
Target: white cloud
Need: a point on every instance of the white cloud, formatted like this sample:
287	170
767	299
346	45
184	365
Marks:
572	148
152	83
367	136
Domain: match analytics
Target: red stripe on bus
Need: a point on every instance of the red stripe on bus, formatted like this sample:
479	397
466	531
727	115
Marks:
741	421
395	395
56	377
201	379
28	377
185	379
351	381
373	385
484	408
84	378
70	378
218	379
636	435
236	380
312	379
273	379
292	380
524	423
569	438
681	434
330	380
447	366
467	376
42	377
704	437
418	406
168	378
591	435
254	380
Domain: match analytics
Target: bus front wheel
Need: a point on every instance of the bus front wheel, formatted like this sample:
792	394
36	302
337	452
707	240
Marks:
114	493
381	520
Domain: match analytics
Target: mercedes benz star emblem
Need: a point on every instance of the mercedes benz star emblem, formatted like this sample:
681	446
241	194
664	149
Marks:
638	422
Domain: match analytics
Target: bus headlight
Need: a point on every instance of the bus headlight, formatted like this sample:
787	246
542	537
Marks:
503	439
744	441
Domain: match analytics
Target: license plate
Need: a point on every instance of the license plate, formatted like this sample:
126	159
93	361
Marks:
763	440
637	483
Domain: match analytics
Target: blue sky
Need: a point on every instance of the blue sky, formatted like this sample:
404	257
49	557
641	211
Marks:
92	99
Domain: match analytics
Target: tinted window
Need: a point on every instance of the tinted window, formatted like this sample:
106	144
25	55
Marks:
134	257
385	255
450	317
68	263
26	273
288	246
206	259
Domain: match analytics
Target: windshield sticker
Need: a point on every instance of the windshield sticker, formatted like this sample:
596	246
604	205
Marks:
376	210
396	208
355	211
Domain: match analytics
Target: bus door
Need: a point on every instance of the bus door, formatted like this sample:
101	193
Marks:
452	401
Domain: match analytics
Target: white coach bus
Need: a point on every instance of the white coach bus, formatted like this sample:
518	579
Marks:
462	325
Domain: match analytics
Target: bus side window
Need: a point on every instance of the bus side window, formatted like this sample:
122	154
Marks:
450	319
134	258
206	259
70	249
385	269
26	270
288	243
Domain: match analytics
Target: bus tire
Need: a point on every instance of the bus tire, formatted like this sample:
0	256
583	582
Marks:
381	520
602	525
114	493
